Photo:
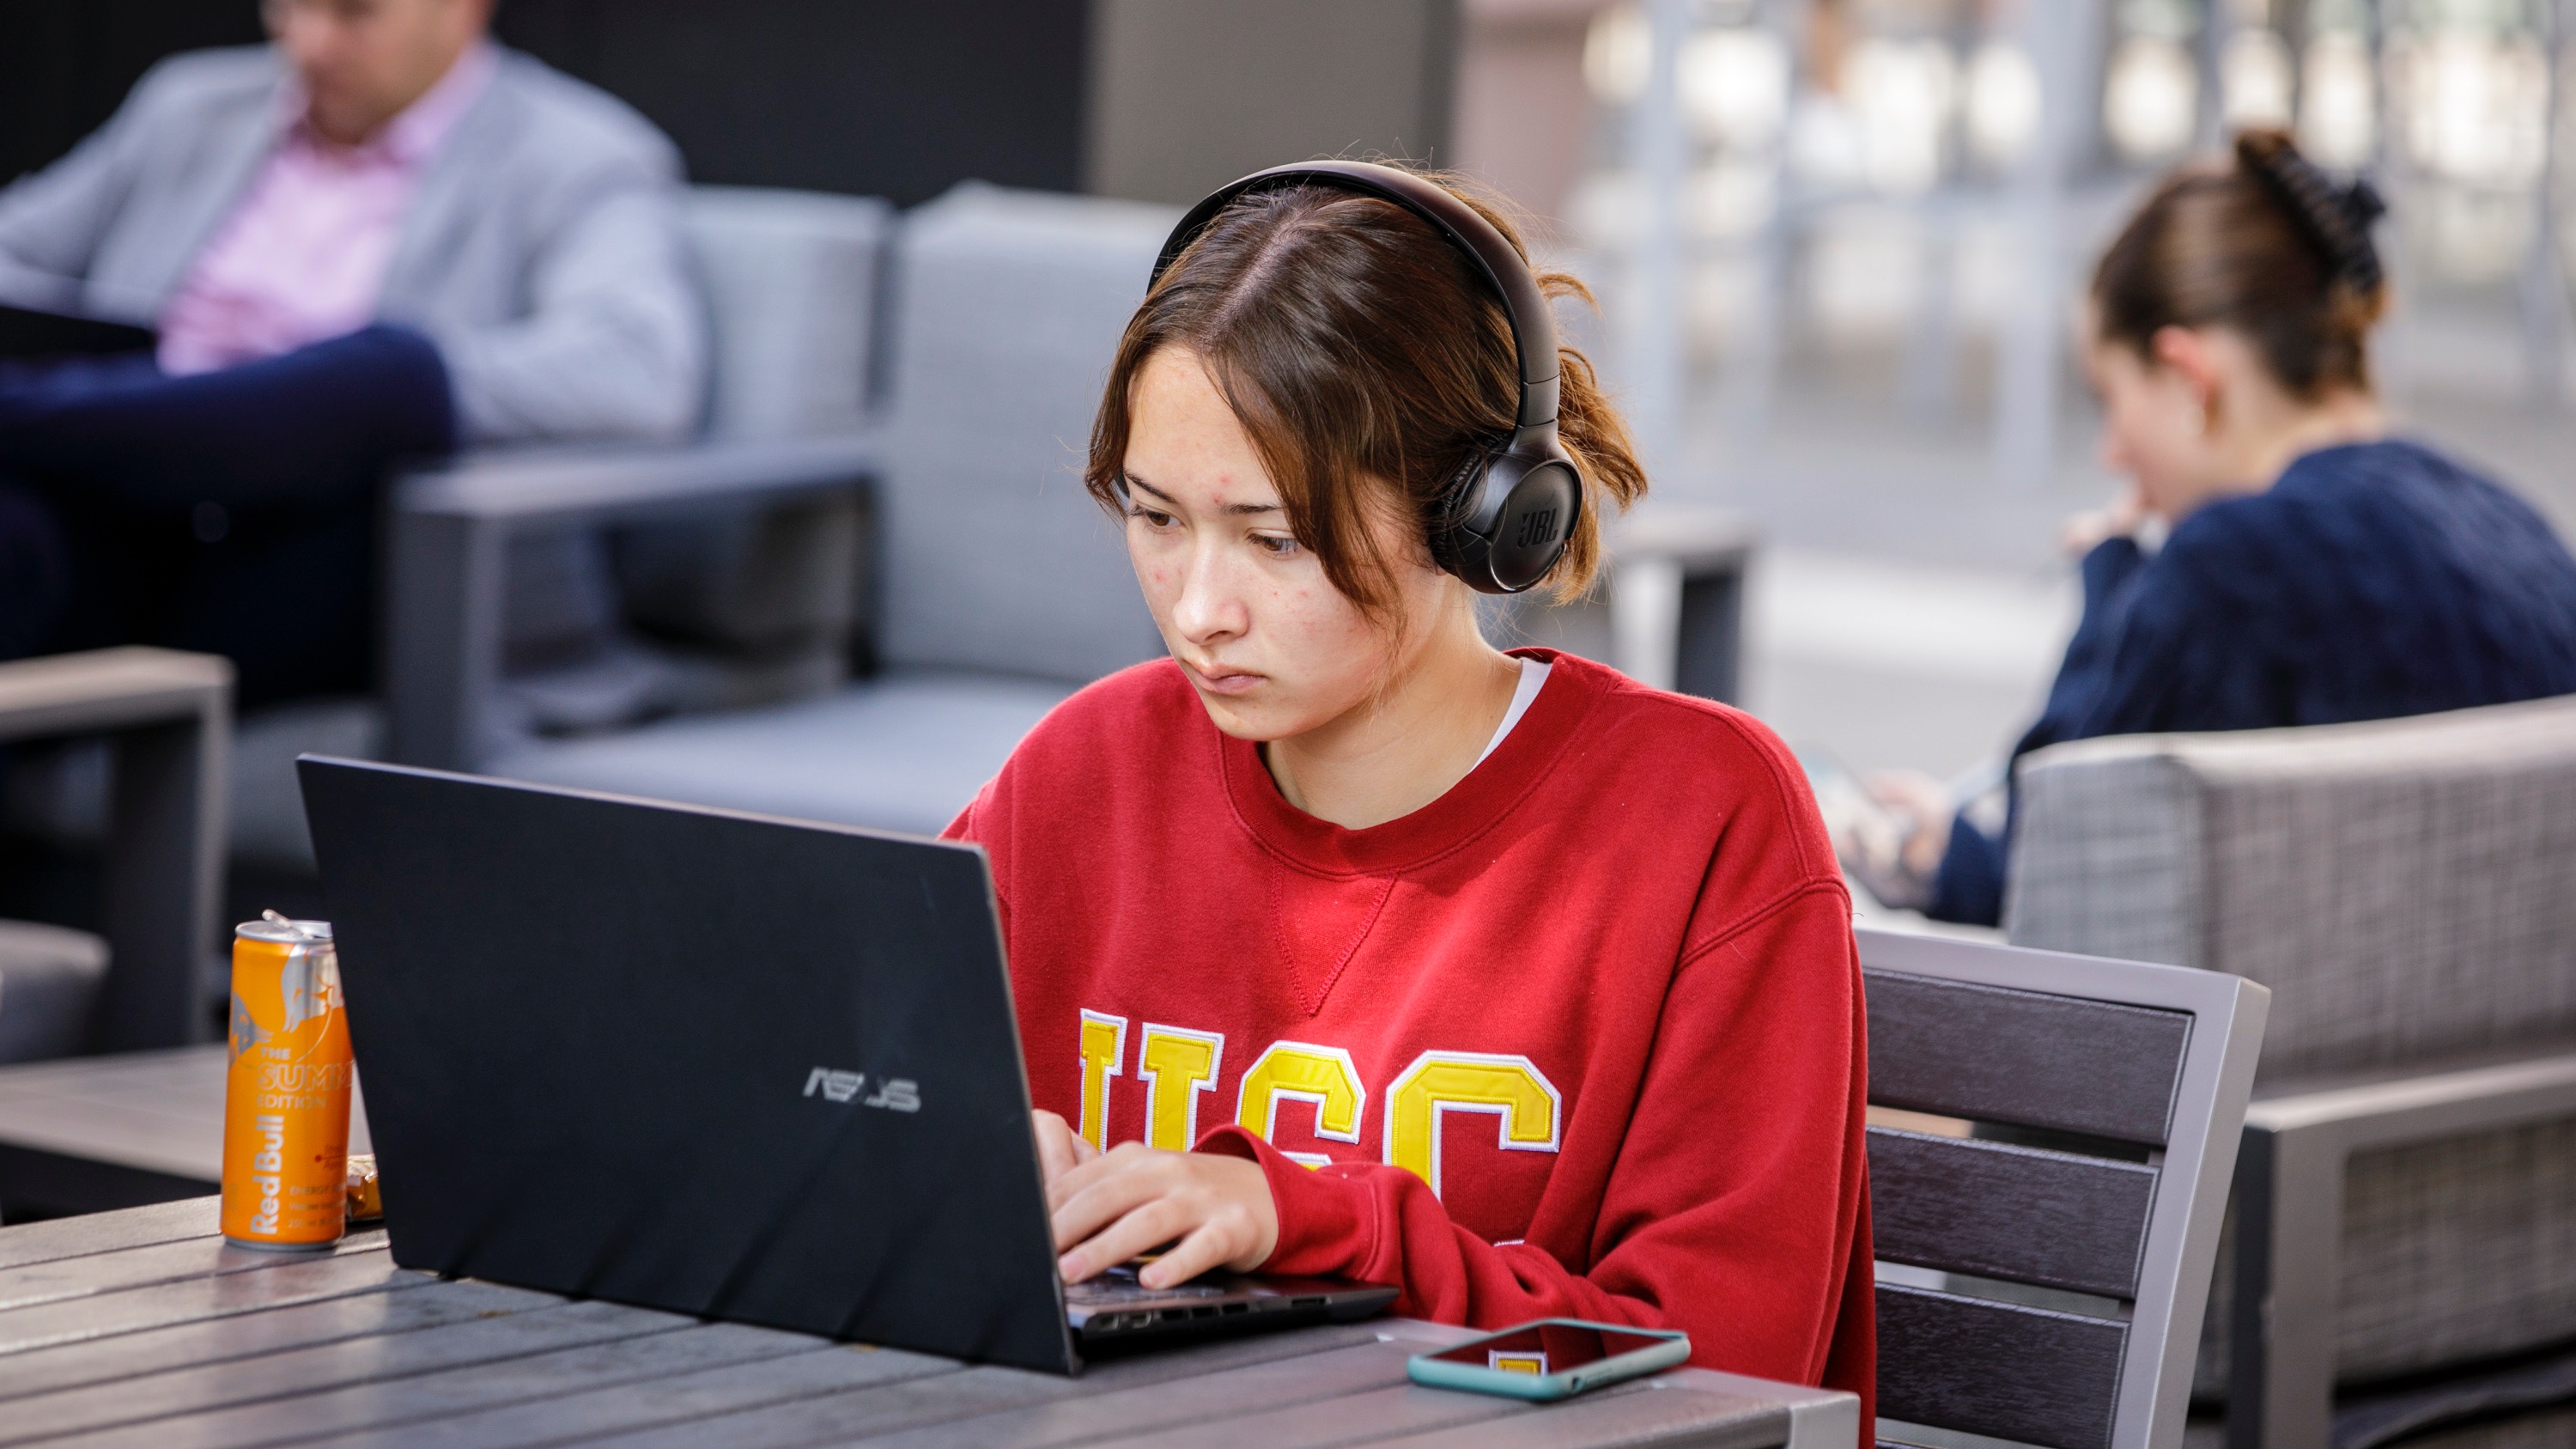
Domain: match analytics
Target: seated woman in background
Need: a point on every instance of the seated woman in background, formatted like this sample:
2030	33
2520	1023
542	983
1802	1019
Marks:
1344	943
2316	570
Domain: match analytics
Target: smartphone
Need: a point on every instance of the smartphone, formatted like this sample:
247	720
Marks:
1553	1358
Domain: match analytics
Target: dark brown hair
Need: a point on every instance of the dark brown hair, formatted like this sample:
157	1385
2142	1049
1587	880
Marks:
2268	246
1355	343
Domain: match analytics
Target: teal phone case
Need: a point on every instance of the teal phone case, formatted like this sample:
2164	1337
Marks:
1437	1373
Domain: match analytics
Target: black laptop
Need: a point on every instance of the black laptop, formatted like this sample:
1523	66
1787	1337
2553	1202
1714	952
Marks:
722	1064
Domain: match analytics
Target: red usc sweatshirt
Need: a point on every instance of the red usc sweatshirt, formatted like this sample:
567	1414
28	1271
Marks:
1582	1037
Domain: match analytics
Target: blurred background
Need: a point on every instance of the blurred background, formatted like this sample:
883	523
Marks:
1835	240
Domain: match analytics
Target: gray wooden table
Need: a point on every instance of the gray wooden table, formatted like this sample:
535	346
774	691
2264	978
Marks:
141	1328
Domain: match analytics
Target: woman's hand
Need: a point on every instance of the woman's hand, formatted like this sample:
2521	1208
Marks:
2119	518
1111	1206
1925	807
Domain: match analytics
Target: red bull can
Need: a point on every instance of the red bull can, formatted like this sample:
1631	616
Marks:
286	1100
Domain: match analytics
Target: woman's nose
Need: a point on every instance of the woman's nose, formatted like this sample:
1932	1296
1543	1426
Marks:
1209	608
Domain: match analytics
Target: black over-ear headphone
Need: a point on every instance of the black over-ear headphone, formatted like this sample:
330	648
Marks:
1504	520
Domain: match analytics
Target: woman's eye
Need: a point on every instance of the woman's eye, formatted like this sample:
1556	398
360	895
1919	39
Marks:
1277	545
1153	518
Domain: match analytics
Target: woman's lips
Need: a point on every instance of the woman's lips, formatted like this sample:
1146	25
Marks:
1218	679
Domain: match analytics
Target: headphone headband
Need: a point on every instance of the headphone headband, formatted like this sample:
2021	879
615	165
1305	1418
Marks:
1501	265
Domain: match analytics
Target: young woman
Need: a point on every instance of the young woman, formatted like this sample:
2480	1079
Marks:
2317	570
1343	943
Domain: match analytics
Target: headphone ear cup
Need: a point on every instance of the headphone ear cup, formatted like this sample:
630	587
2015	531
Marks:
1534	525
1514	510
1454	545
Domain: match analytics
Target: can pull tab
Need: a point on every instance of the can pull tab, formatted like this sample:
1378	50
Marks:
274	918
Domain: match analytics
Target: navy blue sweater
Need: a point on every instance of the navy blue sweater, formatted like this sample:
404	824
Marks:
2370	581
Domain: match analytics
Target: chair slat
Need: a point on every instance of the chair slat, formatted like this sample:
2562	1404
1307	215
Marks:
2016	1213
2027	1058
2001	1369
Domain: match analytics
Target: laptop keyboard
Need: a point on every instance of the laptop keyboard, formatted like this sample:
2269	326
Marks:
1119	1286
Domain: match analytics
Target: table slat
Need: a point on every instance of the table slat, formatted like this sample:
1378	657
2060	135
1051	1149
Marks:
685	1401
247	1335
892	1408
1361	1418
107	1272
493	1336
1645	1413
304	1280
1197	1400
78	1237
446	1394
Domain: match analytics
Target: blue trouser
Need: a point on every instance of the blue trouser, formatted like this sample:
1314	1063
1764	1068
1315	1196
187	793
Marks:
232	512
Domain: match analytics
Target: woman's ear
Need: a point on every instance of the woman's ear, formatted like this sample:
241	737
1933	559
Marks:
2190	358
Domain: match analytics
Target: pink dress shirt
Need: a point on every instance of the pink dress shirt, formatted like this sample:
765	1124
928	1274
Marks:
303	255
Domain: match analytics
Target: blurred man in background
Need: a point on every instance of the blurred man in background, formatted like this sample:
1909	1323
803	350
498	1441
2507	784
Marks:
378	238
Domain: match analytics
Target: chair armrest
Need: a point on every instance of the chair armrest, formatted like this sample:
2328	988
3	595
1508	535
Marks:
451	525
168	717
2383	1113
110	689
516	488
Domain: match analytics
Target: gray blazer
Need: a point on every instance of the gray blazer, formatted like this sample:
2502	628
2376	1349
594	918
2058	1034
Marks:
543	253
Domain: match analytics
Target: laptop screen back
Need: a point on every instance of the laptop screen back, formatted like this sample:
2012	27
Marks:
735	1067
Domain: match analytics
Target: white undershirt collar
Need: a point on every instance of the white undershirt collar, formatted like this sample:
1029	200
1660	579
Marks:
1533	674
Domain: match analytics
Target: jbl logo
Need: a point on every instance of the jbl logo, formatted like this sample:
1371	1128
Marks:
894	1094
1536	528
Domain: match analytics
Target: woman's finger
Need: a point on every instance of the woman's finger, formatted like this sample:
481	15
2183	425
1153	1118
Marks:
1056	1152
1148	1226
1212	1244
1100	1192
1091	1167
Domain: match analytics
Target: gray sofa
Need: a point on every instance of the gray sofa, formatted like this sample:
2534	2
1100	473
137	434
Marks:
2407	888
999	587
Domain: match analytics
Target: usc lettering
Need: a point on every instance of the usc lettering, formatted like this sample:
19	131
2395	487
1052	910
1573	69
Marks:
1303	1073
1512	1088
1104	1046
1178	1064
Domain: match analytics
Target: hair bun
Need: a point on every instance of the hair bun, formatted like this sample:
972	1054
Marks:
2337	218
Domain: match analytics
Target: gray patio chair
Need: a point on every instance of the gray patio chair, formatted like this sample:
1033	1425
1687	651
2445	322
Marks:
2405	1239
2046	1290
166	718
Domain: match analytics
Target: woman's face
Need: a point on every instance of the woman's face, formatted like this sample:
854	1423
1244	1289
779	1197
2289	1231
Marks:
1273	648
2154	426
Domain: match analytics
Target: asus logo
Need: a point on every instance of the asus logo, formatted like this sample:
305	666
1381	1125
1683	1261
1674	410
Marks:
894	1094
1537	528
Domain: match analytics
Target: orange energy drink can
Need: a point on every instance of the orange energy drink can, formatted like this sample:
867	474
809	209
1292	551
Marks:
286	1102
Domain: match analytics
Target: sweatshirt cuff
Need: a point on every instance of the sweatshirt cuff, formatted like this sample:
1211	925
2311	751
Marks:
1324	1217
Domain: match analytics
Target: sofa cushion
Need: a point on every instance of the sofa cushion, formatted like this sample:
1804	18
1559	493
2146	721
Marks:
904	751
1008	309
791	281
49	985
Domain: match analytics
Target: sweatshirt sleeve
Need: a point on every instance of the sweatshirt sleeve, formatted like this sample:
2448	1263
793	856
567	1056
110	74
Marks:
1737	1208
